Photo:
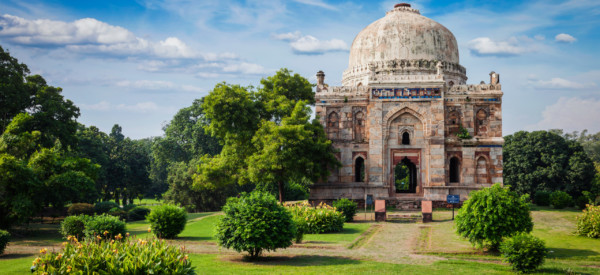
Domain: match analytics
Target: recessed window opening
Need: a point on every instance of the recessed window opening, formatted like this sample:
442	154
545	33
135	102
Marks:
405	176
359	170
454	169
406	138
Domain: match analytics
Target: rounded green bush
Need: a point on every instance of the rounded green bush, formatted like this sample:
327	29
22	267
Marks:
99	225
167	221
588	224
347	207
4	238
315	220
104	206
524	252
118	212
255	222
491	214
541	198
560	199
74	226
80	209
128	207
581	202
138	213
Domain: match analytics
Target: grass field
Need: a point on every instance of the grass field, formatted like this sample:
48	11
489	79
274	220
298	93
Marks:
363	247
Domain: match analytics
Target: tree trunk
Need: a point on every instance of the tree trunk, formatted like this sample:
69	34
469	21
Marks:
280	185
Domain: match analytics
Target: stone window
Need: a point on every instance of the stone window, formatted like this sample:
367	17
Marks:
359	170
453	122
405	138
481	121
454	170
359	127
482	171
333	125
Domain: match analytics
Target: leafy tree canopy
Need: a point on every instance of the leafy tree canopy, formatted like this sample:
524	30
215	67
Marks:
544	160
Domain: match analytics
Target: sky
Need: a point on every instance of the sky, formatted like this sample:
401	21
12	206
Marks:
136	63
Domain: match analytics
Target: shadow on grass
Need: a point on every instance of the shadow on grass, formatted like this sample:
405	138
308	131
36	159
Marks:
196	239
568	253
15	256
301	260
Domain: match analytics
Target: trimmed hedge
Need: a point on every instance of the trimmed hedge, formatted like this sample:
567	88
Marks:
524	252
138	213
167	221
347	207
320	219
105	226
104	206
80	209
4	239
74	226
560	199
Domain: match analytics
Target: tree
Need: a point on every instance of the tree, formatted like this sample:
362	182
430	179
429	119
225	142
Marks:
544	160
257	127
293	150
255	222
15	94
491	214
19	190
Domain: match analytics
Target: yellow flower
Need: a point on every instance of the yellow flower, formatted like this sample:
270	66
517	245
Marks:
58	257
127	234
149	229
65	243
118	237
98	237
43	250
69	269
105	232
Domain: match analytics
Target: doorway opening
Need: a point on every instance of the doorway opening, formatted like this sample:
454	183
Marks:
405	176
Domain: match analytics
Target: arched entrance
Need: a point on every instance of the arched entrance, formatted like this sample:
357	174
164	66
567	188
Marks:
405	176
359	170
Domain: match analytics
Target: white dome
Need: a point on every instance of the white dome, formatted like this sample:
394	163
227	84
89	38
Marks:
403	34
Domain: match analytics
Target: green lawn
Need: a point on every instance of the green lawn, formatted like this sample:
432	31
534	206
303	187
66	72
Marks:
356	248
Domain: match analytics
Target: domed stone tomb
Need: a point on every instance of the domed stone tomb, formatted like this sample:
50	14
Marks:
405	124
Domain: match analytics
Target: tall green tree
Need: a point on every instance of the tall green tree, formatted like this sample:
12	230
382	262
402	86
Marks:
295	149
543	160
15	94
258	127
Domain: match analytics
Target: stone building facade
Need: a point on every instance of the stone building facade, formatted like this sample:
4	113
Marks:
406	125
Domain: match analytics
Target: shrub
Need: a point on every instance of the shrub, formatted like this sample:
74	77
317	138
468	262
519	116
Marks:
541	198
581	202
167	221
347	207
138	213
80	209
4	238
122	257
128	207
524	252
118	212
491	214
560	199
255	222
320	219
74	226
588	223
104	207
104	225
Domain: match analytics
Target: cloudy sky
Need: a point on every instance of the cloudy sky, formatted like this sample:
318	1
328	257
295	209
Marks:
136	63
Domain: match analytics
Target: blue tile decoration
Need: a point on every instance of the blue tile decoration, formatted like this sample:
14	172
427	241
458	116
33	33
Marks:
405	93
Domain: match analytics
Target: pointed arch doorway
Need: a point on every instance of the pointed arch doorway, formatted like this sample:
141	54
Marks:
404	172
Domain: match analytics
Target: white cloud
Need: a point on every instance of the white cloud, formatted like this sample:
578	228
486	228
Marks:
565	38
317	3
561	83
484	46
245	68
571	114
100	106
142	107
308	44
539	37
157	85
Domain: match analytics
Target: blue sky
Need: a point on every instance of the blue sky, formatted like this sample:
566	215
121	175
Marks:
136	63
